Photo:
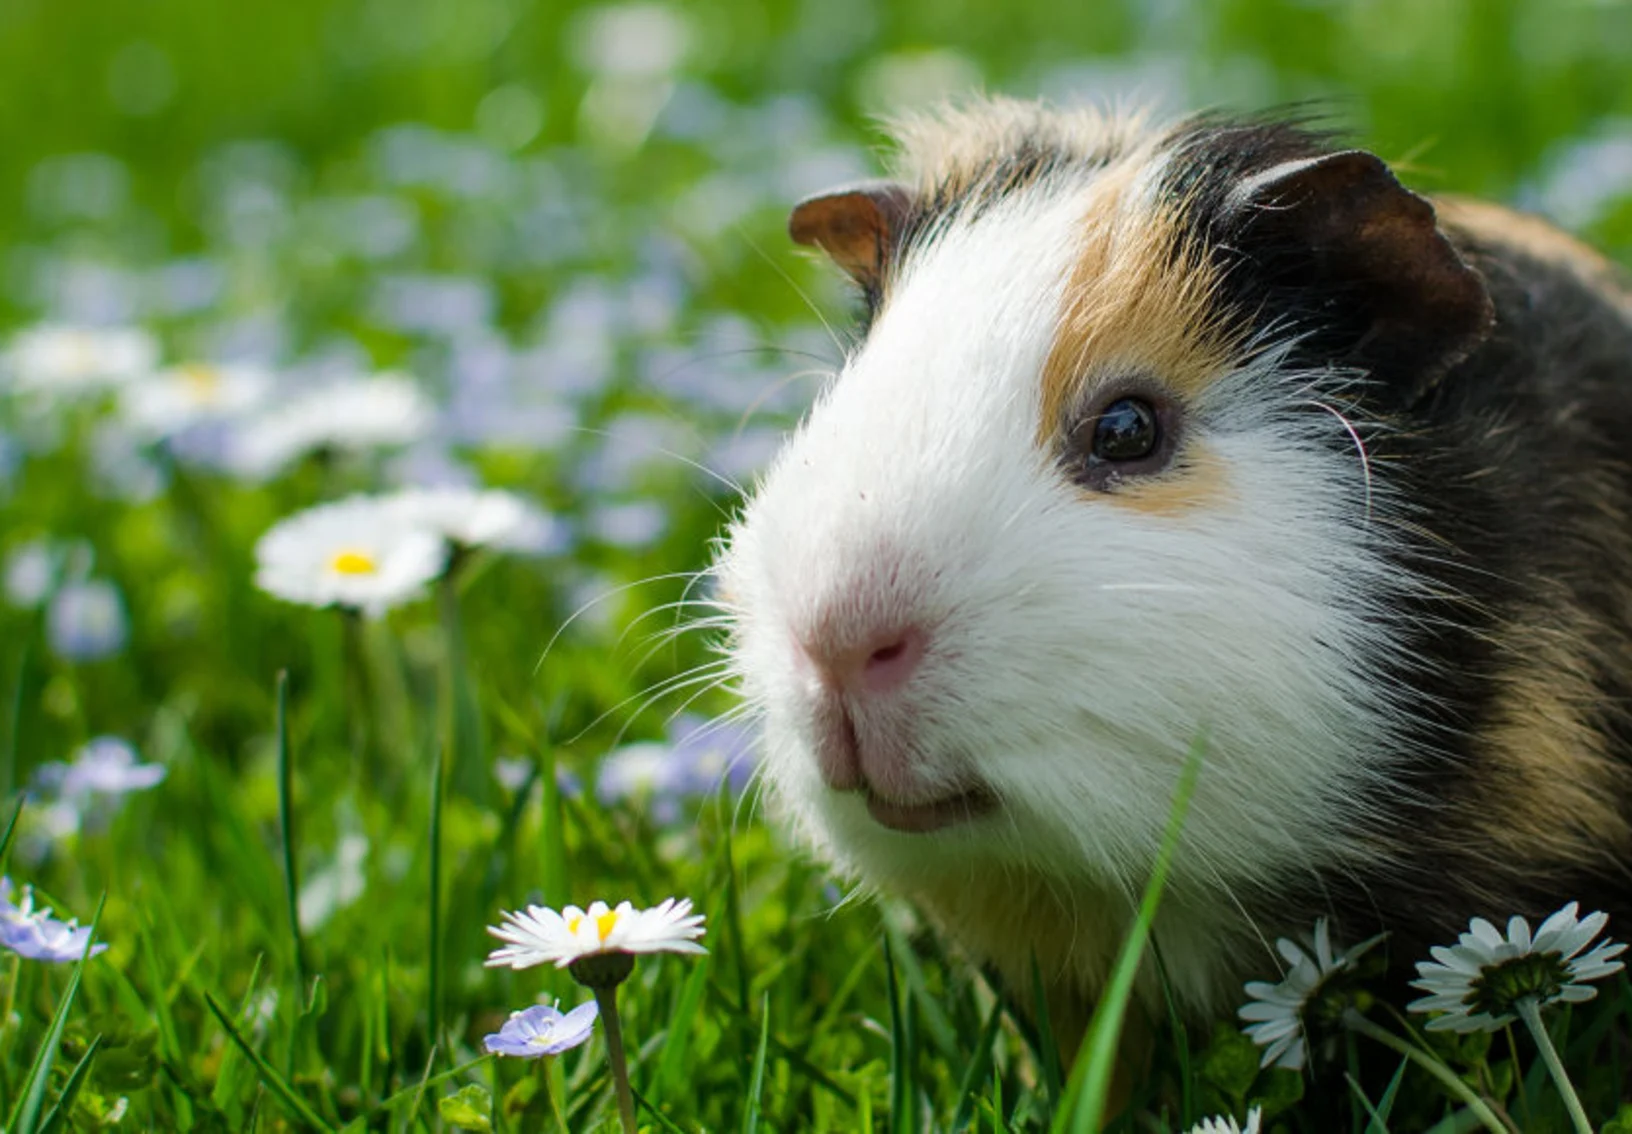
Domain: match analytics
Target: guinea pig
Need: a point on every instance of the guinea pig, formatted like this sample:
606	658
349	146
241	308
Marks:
1202	429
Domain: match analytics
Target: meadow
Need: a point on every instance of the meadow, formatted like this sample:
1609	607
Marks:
259	258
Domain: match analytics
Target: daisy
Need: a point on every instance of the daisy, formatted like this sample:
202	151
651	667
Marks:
598	946
543	1030
542	936
35	934
471	518
352	414
1486	980
356	553
196	394
1277	1013
1476	985
1226	1124
67	360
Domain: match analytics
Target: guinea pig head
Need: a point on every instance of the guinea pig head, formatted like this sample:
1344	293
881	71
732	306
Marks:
1093	486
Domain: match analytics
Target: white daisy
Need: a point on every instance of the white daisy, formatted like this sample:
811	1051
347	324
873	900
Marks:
1226	1124
66	360
356	553
470	517
352	414
540	936
184	396
1477	983
1276	1012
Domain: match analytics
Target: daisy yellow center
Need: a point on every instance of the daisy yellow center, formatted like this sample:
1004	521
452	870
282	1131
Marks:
604	924
351	562
202	382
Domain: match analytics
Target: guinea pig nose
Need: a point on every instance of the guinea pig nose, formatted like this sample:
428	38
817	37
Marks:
881	663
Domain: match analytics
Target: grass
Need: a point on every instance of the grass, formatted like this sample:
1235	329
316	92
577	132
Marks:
265	973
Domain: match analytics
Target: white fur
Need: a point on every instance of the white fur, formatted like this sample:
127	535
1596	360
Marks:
1079	646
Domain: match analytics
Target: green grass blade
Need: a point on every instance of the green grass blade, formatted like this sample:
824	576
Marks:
70	1090
738	940
902	1096
286	824
756	1085
1083	1111
662	1119
463	738
11	829
671	1062
433	998
14	738
1048	1052
979	1067
1181	1043
25	1117
273	1081
1378	1114
931	1012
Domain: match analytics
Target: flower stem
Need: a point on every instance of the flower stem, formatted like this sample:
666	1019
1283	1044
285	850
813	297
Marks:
1355	1022
1530	1012
15	964
607	1000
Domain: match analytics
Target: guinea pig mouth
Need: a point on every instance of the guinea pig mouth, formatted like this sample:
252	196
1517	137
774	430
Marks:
922	818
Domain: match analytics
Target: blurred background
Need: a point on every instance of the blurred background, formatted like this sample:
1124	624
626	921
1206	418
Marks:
525	143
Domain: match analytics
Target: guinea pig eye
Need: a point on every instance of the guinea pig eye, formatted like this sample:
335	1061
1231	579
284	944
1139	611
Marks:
1123	433
1126	430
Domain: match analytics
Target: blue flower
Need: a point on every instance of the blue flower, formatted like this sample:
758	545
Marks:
35	934
86	620
542	1030
106	765
698	755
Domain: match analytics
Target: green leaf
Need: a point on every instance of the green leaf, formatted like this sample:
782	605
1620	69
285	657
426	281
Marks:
1230	1064
1621	1123
467	1110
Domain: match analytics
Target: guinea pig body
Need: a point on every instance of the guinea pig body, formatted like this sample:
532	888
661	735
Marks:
1206	430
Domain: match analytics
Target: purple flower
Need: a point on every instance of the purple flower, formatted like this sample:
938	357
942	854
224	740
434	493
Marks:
106	765
35	934
86	621
708	752
698	755
542	1030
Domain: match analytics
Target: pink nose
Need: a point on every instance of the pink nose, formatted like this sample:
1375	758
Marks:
878	665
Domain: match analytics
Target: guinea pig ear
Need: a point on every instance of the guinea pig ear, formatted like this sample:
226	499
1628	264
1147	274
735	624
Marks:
1368	254
856	226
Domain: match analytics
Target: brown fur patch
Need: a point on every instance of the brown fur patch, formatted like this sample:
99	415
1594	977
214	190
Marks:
1551	791
1533	237
1198	481
1139	301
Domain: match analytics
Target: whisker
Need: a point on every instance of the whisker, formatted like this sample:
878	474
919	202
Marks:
707	672
1359	445
797	290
